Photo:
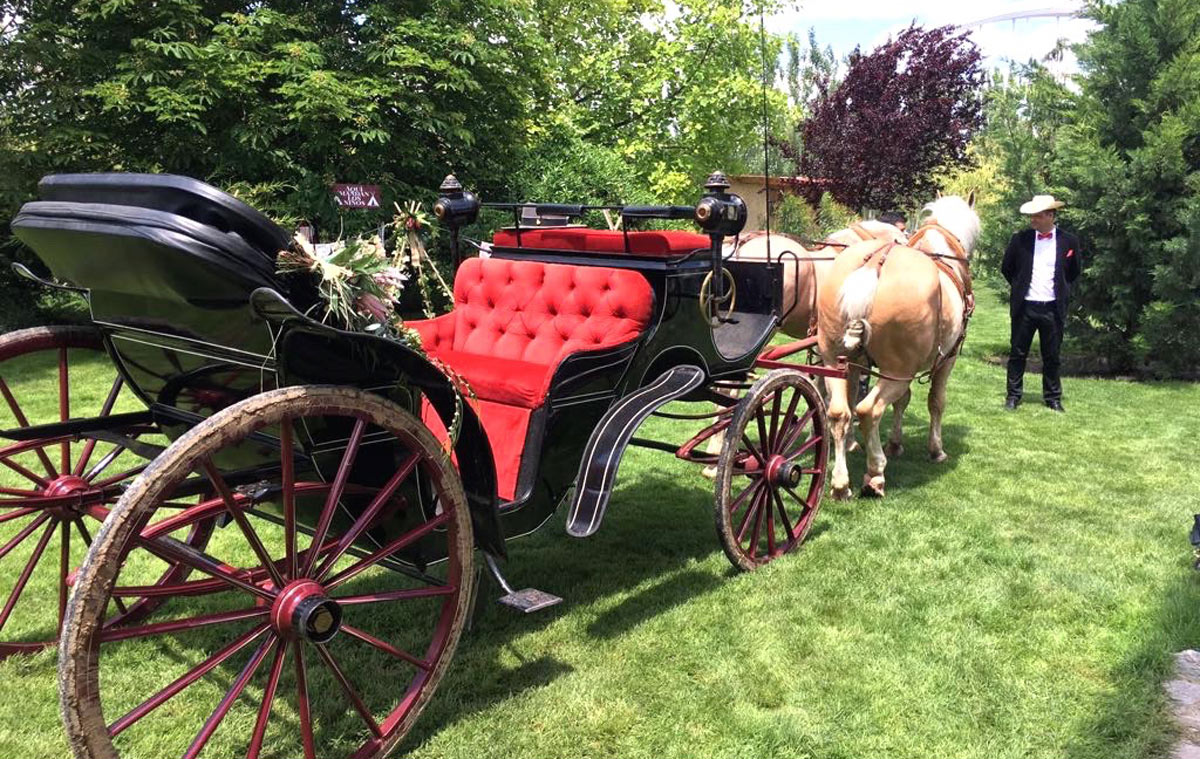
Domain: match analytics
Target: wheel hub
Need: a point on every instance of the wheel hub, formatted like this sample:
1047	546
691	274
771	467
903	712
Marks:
303	611
66	485
781	473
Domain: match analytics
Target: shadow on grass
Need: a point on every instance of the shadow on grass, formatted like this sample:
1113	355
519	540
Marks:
655	525
1135	720
913	469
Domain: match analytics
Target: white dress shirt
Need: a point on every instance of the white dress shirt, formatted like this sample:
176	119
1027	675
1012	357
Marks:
1041	283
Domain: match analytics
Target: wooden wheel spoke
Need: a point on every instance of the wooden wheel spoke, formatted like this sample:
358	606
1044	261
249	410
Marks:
808	446
787	523
23	421
758	520
25	532
239	516
750	512
762	461
111	634
804	502
17	514
794	435
348	689
104	463
368	516
769	507
186	679
23	579
64	570
264	711
302	704
287	468
231	695
775	402
764	441
34	478
741	497
175	551
64	405
90	445
397	595
386	647
127	474
335	493
785	425
378	555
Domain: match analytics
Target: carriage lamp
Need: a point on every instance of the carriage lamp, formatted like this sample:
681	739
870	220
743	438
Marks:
456	207
719	213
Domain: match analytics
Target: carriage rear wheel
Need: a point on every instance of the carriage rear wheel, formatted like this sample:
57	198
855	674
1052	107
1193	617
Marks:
331	605
59	486
771	473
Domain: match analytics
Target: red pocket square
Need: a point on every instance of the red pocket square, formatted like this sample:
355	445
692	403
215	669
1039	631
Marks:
1070	252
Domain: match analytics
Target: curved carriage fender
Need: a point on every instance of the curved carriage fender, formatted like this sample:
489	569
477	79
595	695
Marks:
379	364
602	456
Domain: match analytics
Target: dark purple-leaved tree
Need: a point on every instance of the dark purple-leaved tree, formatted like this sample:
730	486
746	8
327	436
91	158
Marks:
901	113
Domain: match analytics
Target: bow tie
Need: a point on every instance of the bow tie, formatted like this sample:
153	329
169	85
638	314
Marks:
1045	235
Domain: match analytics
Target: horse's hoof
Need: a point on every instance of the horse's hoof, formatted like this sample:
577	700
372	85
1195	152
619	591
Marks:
842	494
893	450
937	457
709	473
873	487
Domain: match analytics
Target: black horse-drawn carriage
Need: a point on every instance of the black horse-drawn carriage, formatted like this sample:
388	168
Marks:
317	496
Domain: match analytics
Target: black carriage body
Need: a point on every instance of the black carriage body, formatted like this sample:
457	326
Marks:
181	280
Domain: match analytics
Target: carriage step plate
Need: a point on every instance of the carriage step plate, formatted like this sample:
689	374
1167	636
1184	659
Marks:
529	600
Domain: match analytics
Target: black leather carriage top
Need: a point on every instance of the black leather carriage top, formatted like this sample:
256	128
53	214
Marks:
178	195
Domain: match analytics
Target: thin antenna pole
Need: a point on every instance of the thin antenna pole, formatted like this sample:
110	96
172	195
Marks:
762	32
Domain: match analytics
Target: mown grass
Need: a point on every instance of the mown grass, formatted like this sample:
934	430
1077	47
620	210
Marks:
1020	600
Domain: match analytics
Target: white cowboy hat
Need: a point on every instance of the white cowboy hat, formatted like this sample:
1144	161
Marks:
1041	203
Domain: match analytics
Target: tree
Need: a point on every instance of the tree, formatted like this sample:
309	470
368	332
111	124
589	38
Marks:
1129	165
902	113
275	100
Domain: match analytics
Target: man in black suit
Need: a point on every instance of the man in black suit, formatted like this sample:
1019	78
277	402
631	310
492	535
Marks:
1040	263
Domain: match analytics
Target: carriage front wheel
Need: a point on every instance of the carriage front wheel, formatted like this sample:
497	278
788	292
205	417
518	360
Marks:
771	473
331	603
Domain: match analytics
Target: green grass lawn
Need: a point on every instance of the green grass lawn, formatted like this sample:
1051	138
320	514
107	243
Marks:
1020	600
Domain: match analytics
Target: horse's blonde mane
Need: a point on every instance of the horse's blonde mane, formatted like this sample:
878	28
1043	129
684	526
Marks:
953	213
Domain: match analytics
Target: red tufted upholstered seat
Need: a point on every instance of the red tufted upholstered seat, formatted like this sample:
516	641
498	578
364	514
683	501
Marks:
512	325
667	243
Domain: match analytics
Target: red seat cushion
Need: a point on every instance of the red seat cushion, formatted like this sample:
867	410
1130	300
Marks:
503	380
512	325
644	242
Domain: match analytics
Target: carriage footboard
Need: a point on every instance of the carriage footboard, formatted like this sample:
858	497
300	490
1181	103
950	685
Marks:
602	457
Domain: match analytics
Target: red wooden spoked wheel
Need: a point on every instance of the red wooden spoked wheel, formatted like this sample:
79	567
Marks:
771	473
328	612
54	491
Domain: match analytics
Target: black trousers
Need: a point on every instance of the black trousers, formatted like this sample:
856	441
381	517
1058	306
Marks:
1041	318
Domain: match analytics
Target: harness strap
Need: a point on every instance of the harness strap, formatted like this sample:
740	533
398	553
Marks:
963	285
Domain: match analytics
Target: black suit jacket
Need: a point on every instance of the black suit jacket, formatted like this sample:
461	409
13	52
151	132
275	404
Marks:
1018	268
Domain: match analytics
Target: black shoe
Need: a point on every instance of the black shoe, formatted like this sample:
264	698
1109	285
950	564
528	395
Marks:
1011	403
1056	406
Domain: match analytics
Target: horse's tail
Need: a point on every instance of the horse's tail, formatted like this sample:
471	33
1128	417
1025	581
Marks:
855	299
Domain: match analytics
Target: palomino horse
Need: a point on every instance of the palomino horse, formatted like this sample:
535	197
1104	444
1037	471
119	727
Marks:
907	308
804	268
